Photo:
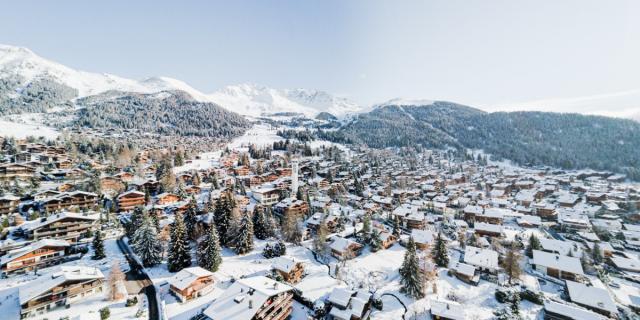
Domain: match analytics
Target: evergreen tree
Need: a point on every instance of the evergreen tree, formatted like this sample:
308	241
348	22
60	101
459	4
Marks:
221	218
191	218
98	246
146	244
440	255
260	223
534	244
410	274
179	253
596	253
396	227
366	226
209	251
243	241
375	241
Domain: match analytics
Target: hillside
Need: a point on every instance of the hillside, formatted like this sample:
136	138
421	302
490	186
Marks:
165	113
527	138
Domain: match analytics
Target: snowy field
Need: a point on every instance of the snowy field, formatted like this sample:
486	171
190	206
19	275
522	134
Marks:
23	130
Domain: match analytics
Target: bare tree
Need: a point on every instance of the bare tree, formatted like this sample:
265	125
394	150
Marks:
115	282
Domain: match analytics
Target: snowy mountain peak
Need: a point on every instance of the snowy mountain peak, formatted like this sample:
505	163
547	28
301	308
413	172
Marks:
405	102
257	100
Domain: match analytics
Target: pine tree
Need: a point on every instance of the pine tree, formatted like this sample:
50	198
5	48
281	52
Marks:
596	253
366	226
410	275
260	223
98	246
222	214
441	256
534	244
396	227
179	253
146	244
191	218
209	251
375	241
243	241
511	263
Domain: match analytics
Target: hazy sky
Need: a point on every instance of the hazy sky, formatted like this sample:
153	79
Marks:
556	55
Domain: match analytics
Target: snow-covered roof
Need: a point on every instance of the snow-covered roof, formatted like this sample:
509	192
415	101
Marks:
598	298
284	264
626	263
340	296
234	303
484	258
494	228
341	244
447	310
65	273
14	254
572	312
557	261
465	269
56	217
422	236
187	276
557	246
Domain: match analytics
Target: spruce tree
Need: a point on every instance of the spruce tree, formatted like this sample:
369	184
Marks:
366	226
98	246
243	241
375	241
146	244
179	253
260	223
191	218
441	256
222	213
209	250
396	227
410	274
596	253
534	244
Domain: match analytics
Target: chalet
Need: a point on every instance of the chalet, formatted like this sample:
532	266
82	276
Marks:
571	220
442	310
491	215
191	283
595	299
290	270
409	217
111	184
423	238
626	264
349	305
129	200
67	200
485	260
266	196
387	238
559	311
342	248
564	248
466	273
11	171
59	290
39	254
125	176
544	209
193	190
289	206
64	226
166	198
557	266
9	204
253	298
528	221
487	229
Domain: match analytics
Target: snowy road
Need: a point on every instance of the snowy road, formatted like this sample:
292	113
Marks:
137	277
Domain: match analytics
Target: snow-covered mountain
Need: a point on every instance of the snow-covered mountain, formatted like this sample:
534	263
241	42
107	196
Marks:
256	100
20	67
23	66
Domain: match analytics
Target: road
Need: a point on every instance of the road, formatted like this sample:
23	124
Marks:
137	278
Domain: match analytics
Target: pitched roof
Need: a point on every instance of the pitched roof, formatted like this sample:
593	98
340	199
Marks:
597	298
187	276
557	261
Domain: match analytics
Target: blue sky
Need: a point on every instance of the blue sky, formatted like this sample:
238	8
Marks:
492	54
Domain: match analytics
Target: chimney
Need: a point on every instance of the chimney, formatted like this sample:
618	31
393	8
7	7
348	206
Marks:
250	304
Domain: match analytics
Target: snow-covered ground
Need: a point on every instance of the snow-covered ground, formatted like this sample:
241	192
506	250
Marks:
23	130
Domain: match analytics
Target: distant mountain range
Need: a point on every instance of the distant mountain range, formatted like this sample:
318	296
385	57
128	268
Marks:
528	138
30	83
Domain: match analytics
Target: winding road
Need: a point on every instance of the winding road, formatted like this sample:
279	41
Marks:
137	275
